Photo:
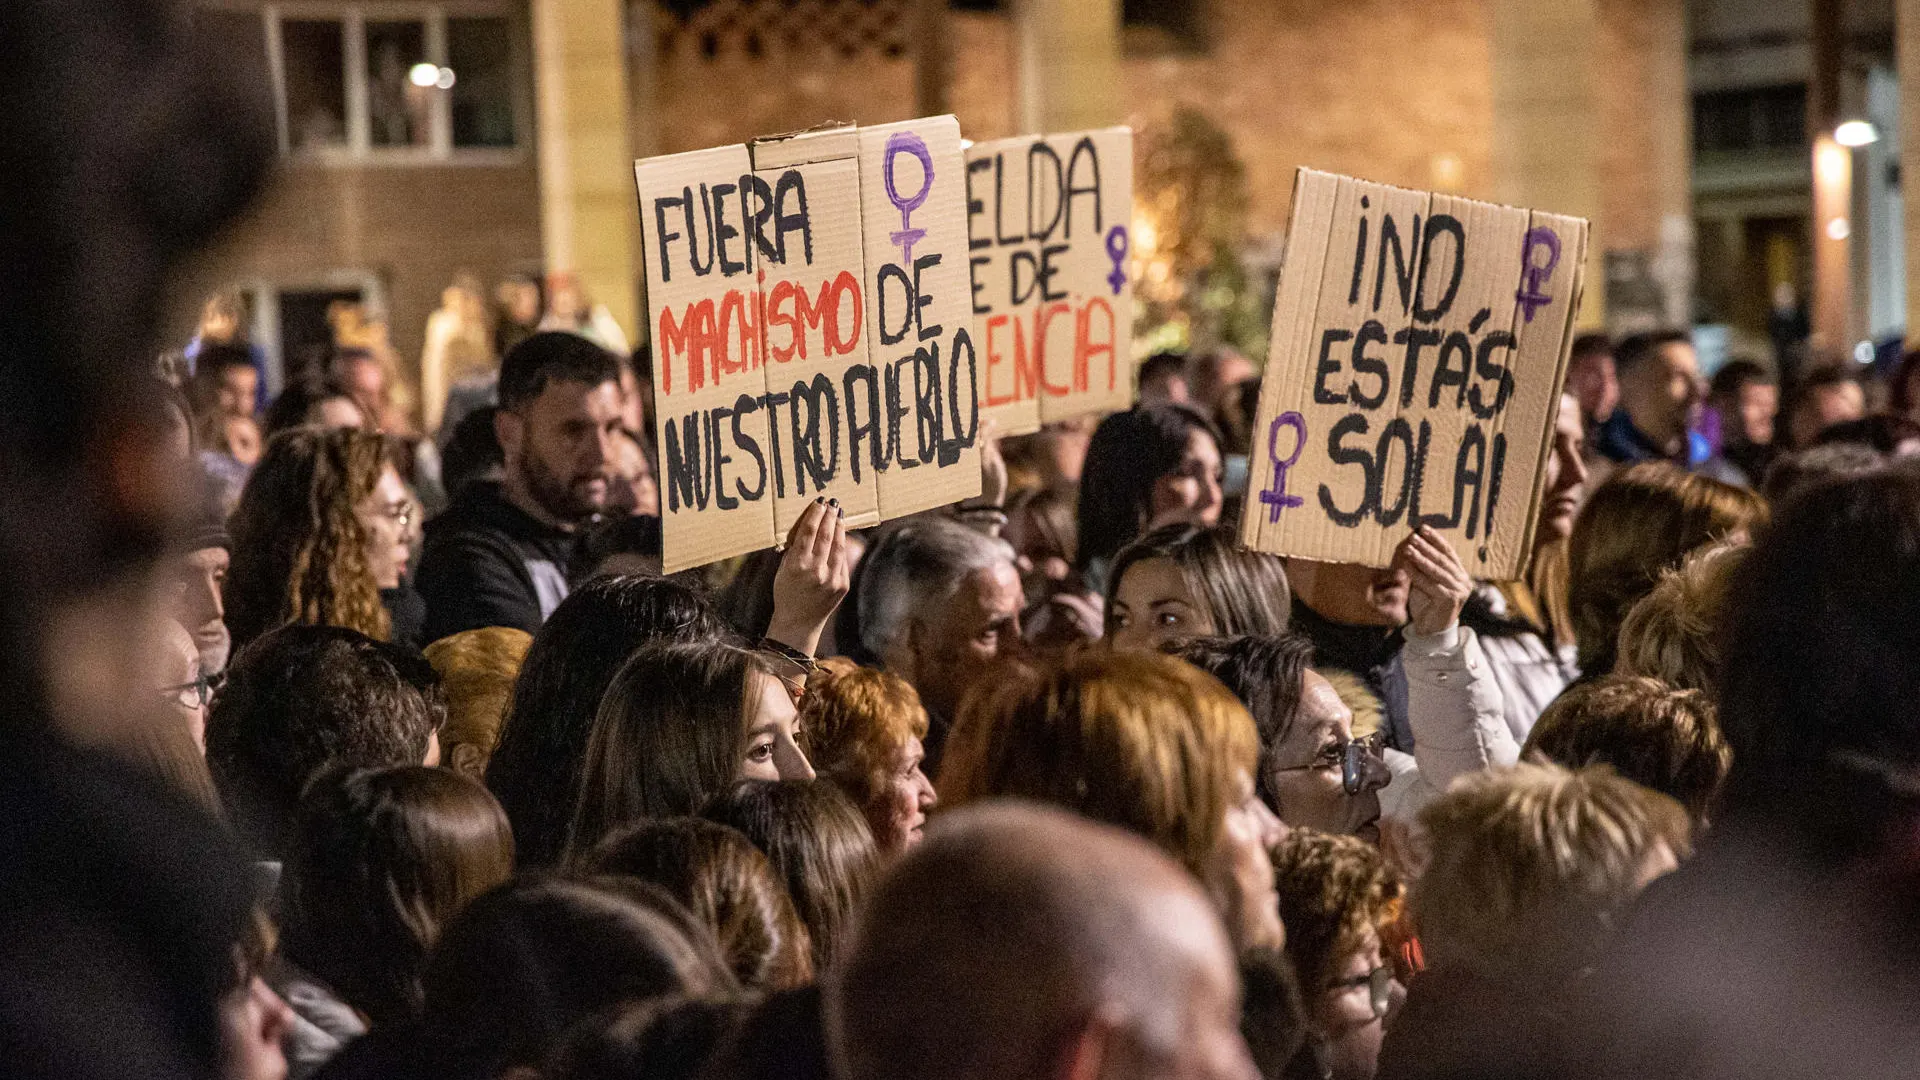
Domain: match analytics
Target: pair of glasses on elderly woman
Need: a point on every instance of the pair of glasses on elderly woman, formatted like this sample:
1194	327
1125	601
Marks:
1357	759
1379	984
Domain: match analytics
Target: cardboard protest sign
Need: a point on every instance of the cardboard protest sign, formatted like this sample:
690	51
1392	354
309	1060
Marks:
794	357
1419	345
1048	218
924	414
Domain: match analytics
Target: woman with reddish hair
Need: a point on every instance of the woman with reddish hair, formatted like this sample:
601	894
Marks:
862	729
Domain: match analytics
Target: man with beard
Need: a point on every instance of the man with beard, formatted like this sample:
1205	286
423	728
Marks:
499	554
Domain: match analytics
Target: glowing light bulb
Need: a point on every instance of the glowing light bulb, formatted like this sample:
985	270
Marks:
1855	133
1839	229
423	75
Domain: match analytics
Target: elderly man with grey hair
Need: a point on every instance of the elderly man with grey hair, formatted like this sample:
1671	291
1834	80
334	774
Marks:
1024	943
935	602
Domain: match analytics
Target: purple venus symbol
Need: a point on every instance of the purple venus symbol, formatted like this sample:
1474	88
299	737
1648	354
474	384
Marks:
1275	498
1533	296
1117	251
906	142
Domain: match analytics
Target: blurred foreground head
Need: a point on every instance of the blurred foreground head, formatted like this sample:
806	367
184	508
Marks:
123	145
1021	942
1820	672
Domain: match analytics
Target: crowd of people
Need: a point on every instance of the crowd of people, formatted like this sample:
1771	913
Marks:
1060	780
314	770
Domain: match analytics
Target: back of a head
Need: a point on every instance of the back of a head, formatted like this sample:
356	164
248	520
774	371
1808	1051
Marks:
299	401
1267	674
383	859
1245	592
1643	521
1528	865
1138	740
535	768
1129	451
727	883
299	548
664	1039
1335	892
527	961
668	736
1803	469
1885	433
913	564
472	451
306	698
784	1038
1821	666
1653	734
818	841
1673	633
989	944
477	669
548	357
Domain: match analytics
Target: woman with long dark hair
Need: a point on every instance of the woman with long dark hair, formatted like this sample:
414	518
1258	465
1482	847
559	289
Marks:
1153	465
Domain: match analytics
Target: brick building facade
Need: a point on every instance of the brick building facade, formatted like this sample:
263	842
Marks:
1401	91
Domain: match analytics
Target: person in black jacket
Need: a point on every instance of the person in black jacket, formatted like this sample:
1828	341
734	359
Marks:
499	555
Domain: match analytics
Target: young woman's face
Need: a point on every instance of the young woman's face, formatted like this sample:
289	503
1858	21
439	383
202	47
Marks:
1346	1018
385	515
899	809
1152	605
1190	493
1305	773
772	753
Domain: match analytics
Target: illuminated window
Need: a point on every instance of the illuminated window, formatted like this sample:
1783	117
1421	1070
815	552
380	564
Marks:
393	82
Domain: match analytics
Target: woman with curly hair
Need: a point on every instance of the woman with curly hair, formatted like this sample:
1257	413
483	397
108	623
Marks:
321	530
1336	898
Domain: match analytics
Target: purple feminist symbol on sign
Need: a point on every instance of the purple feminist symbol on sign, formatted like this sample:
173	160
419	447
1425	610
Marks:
1533	297
1117	251
906	142
1276	498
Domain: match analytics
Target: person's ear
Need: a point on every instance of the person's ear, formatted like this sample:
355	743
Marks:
511	429
465	759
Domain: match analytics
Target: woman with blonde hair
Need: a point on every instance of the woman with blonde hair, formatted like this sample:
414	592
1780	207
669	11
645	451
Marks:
477	669
1673	633
862	728
1138	740
1643	521
321	530
1527	871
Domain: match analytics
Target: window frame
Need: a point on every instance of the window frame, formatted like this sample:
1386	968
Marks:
359	150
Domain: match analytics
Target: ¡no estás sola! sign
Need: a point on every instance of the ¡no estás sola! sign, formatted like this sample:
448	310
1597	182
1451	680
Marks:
1419	345
812	336
1048	219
